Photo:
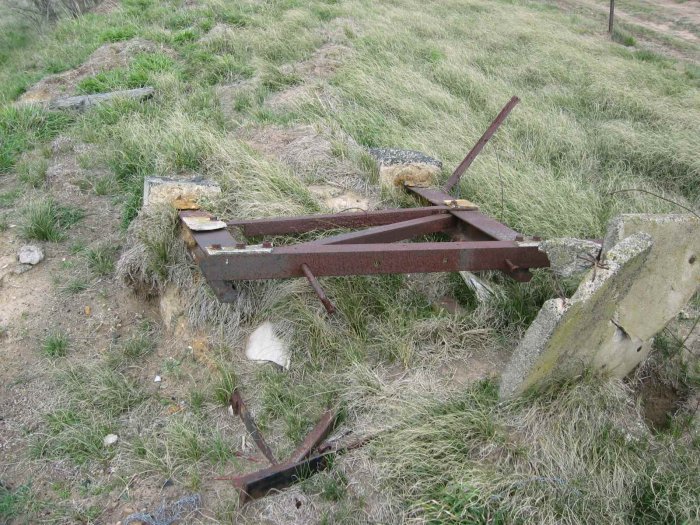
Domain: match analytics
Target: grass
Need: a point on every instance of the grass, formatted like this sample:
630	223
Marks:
55	345
597	115
100	260
47	220
477	461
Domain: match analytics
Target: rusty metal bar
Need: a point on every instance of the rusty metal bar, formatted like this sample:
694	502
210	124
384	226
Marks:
365	259
459	171
314	438
393	232
240	409
260	483
479	222
330	307
307	223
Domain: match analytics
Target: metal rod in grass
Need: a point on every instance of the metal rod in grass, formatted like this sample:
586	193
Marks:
630	190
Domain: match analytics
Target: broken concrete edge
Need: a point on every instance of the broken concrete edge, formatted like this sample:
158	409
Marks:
571	335
569	256
182	193
397	167
265	344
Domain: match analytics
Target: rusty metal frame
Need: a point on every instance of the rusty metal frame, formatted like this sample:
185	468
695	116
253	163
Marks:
477	241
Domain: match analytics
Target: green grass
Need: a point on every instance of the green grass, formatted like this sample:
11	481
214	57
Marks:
473	460
24	127
55	345
47	220
100	260
597	115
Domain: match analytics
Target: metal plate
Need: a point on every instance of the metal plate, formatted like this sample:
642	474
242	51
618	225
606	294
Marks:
202	224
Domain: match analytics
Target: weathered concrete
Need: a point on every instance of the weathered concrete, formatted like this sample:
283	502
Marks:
671	275
83	102
568	256
397	166
181	193
572	335
649	272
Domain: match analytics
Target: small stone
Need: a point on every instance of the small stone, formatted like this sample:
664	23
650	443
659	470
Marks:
30	254
88	311
157	379
21	268
110	439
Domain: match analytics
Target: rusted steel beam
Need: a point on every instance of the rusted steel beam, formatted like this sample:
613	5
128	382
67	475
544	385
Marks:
474	220
307	223
330	307
365	259
314	438
394	232
261	482
240	409
459	171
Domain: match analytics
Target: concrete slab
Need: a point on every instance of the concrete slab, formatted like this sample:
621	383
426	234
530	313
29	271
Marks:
649	272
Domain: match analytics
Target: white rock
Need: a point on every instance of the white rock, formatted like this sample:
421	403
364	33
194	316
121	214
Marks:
110	439
30	254
264	345
157	379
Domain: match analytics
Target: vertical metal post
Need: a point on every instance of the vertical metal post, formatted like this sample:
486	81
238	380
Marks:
611	19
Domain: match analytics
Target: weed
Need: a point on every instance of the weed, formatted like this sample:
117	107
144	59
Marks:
621	37
100	259
75	285
46	220
55	345
23	127
32	172
14	503
223	388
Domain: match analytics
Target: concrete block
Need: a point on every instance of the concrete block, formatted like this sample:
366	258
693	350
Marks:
397	167
568	256
181	193
572	335
650	271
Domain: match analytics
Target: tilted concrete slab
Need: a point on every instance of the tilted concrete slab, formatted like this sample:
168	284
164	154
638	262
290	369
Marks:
649	272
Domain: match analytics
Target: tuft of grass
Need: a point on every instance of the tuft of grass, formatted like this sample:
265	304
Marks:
75	285
24	127
46	220
624	38
16	503
55	345
224	387
32	172
140	73
100	259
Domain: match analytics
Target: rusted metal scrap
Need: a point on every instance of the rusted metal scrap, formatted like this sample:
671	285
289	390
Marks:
301	463
477	242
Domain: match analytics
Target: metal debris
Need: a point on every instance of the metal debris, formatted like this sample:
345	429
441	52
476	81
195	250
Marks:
477	242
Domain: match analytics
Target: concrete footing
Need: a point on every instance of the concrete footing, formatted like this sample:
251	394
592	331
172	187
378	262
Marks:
648	272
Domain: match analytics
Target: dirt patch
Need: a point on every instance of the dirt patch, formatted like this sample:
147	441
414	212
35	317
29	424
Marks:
105	58
660	401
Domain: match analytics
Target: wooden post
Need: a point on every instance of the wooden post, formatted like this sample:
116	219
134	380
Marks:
612	16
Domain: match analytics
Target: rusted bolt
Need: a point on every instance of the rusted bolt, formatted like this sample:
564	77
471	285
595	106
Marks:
213	218
267	244
512	267
240	245
519	238
215	246
376	264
